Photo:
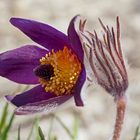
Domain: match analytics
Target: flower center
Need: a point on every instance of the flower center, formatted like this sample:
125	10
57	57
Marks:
59	71
44	71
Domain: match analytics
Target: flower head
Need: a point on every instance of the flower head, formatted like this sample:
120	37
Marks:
57	67
106	58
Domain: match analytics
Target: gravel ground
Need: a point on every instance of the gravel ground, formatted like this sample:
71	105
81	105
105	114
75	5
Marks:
97	117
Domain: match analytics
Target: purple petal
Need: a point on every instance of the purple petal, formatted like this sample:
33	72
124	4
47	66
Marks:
46	105
74	38
18	64
33	95
41	33
36	100
78	88
77	47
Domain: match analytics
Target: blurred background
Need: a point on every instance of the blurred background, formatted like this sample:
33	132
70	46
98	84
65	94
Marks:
96	119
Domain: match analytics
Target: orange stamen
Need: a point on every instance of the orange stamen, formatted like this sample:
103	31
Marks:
67	68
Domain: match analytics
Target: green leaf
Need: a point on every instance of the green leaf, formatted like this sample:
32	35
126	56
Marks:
4	135
75	128
3	117
18	138
41	133
37	137
137	132
53	138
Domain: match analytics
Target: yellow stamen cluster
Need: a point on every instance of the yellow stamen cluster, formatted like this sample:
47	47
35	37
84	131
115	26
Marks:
67	68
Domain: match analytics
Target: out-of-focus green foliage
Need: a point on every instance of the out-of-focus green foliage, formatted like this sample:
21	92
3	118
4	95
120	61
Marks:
35	124
18	138
73	135
36	133
75	128
42	137
137	133
6	121
51	135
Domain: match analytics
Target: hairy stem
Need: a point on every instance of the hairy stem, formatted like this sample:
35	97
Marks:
121	106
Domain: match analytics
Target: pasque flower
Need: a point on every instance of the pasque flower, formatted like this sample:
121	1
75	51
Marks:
107	64
56	67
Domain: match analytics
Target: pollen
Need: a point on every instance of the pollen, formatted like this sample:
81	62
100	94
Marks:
66	68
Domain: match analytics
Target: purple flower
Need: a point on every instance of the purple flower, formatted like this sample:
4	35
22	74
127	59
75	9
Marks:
57	67
105	58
